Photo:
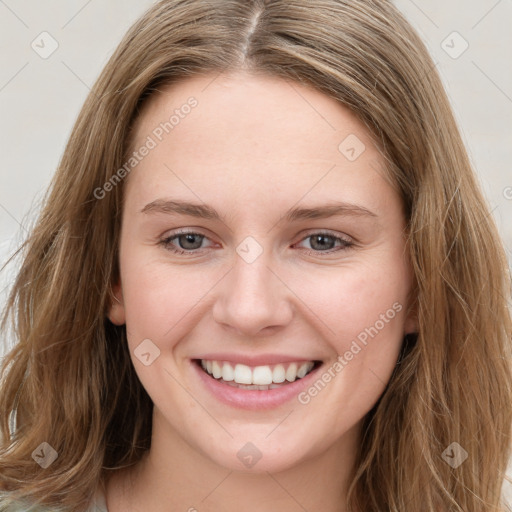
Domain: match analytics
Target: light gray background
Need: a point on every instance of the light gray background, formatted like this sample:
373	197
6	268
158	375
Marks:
40	98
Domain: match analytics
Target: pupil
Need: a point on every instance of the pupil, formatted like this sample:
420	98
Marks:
189	238
322	239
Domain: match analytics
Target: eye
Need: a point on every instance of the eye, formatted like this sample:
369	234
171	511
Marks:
189	242
325	241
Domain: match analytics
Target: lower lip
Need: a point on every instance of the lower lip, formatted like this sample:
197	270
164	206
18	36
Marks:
254	399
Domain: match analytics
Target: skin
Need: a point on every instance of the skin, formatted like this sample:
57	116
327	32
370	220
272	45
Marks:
254	147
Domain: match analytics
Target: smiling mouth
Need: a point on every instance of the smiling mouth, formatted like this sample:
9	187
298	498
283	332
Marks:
261	378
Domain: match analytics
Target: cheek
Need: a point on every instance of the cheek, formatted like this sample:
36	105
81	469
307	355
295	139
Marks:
161	299
349	299
361	315
360	311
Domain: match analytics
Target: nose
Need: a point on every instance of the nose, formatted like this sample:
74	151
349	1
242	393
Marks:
253	299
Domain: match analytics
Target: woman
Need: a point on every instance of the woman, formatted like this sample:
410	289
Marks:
367	370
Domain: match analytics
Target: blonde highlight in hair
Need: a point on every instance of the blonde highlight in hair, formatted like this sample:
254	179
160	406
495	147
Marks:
70	377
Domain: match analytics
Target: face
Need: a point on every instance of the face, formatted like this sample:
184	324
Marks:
288	281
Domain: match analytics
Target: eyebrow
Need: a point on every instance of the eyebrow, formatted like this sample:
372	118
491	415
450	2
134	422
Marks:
205	211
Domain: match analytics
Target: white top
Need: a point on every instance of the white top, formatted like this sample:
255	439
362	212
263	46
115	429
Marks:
98	505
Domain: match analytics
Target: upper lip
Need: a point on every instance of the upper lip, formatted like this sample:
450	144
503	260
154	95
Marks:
254	360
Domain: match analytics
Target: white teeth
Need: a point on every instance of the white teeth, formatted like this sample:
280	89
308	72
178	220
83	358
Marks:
278	375
216	370
304	368
291	372
228	373
243	374
260	377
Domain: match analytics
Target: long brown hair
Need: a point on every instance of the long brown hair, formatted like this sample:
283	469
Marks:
69	378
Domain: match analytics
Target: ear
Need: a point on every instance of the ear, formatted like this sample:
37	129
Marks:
116	312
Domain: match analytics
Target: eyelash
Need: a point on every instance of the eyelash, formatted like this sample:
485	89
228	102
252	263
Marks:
347	244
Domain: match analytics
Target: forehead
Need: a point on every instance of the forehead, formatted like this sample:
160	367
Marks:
256	132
